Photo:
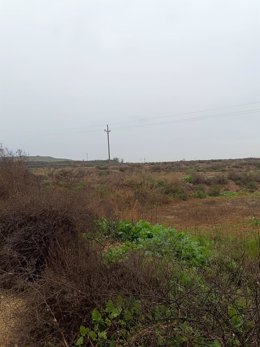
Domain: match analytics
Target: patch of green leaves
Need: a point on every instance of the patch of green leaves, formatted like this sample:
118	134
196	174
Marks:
254	221
159	241
111	324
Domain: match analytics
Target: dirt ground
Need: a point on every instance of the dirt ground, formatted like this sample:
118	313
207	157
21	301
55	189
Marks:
9	306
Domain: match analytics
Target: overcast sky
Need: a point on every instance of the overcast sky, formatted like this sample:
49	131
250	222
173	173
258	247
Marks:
174	79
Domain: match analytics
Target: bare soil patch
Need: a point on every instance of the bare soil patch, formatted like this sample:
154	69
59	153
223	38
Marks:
10	306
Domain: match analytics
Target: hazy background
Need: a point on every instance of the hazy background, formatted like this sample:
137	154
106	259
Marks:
173	79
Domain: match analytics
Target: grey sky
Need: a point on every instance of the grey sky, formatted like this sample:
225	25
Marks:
173	78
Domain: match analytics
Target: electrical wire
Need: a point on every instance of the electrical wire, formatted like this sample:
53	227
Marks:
147	122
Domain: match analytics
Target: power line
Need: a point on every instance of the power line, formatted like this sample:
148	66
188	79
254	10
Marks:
146	120
160	117
163	119
190	119
177	120
203	110
131	124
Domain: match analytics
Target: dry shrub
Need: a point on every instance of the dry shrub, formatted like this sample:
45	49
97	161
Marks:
15	177
198	178
47	248
76	281
25	239
218	179
30	225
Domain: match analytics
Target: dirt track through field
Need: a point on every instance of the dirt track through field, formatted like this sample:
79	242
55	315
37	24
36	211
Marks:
9	307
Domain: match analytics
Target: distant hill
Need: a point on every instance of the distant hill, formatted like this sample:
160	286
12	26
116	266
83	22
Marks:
39	161
46	159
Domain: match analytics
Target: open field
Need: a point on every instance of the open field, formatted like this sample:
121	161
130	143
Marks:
156	254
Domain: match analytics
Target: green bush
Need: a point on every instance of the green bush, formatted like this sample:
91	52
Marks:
254	221
187	179
200	193
229	194
156	240
251	186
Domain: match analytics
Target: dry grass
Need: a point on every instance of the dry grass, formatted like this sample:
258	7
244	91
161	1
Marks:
49	255
210	212
75	282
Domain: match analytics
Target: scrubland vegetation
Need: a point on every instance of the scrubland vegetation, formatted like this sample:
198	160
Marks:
131	255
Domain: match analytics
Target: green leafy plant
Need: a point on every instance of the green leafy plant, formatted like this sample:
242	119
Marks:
229	194
111	325
254	221
159	241
187	179
200	193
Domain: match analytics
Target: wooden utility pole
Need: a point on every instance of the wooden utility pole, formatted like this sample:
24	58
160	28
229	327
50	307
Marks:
107	130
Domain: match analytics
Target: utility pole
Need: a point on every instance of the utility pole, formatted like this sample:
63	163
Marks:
107	130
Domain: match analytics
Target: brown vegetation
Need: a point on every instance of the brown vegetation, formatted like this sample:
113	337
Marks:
51	258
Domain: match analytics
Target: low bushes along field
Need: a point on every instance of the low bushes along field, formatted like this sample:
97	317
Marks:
88	278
